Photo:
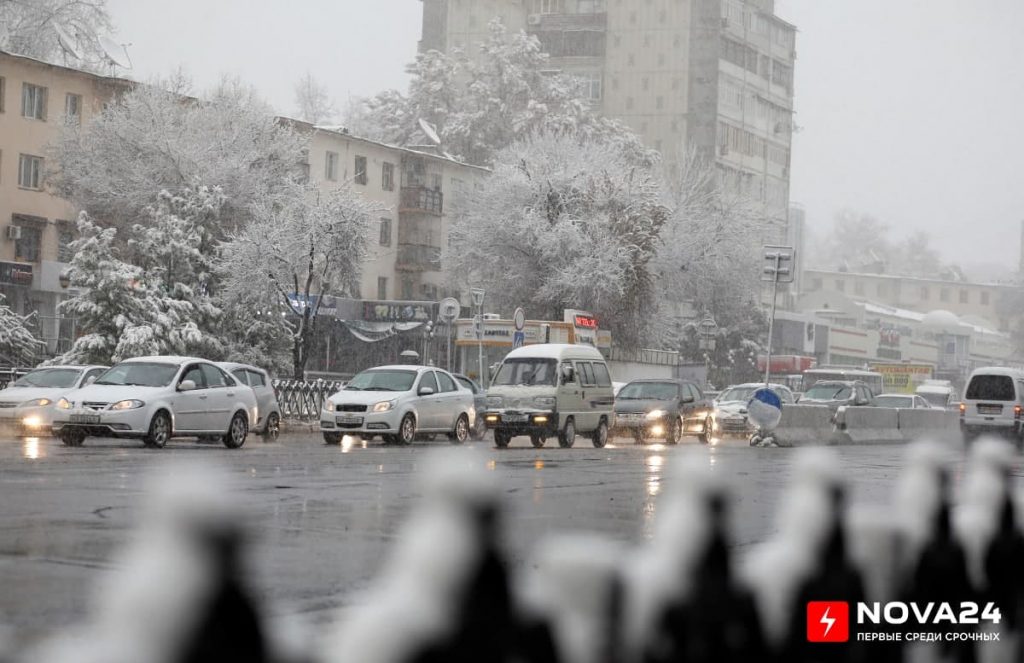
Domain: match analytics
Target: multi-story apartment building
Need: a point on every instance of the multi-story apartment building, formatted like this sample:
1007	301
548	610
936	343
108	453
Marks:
711	75
36	226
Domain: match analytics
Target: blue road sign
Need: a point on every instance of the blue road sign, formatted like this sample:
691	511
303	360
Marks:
765	409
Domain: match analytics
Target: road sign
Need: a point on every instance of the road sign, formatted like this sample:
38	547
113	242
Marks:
518	339
520	319
449	309
765	409
778	264
478	297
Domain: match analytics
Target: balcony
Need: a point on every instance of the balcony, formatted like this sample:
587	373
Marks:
422	199
418	258
558	22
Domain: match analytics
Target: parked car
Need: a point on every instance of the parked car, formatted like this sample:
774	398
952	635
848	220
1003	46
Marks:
902	401
479	429
729	415
665	409
155	399
27	403
551	390
399	403
257	379
993	403
838	393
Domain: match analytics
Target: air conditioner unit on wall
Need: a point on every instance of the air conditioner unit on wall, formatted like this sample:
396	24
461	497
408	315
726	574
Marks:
13	232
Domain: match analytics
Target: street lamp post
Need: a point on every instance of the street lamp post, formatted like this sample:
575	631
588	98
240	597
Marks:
707	343
778	268
478	302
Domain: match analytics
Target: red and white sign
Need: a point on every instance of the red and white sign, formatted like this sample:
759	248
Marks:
828	621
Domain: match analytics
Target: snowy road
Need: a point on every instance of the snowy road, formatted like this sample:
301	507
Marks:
324	516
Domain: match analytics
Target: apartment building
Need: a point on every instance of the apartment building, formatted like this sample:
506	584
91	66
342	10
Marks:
714	75
36	227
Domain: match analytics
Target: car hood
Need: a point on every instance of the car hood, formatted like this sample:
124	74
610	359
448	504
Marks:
22	394
365	397
731	407
641	405
111	393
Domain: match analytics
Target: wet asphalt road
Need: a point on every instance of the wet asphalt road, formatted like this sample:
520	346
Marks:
324	516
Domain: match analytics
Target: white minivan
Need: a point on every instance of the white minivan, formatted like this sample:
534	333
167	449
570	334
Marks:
551	390
993	403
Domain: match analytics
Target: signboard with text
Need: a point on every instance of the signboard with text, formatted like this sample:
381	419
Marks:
15	273
902	378
386	311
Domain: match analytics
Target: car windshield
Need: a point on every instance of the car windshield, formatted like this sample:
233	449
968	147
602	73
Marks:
894	401
737	394
139	374
991	388
650	391
382	381
827	392
49	377
528	372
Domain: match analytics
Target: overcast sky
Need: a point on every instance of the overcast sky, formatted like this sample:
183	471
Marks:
911	110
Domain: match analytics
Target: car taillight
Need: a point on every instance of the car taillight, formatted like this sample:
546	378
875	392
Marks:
1016	411
963	409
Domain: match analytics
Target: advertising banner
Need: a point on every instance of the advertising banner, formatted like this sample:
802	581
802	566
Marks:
902	378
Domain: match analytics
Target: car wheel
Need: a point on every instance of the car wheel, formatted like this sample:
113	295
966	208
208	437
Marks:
567	437
72	437
461	432
600	436
159	431
704	436
407	430
237	431
675	431
333	439
273	429
479	429
537	440
501	439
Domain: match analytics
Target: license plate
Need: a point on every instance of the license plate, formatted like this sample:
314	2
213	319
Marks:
85	418
515	418
349	420
990	409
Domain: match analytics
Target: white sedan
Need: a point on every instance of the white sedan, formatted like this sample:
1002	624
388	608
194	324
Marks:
27	404
399	402
155	399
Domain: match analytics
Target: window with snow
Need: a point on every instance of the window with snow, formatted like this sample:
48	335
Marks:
360	170
387	176
30	172
385	232
331	167
73	108
26	248
33	101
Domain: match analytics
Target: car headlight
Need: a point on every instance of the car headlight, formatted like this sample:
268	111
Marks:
384	406
544	401
64	404
329	406
39	402
656	414
130	404
494	401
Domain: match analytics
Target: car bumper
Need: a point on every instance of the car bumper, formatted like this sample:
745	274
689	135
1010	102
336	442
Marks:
726	426
519	422
360	423
104	423
27	420
995	426
625	424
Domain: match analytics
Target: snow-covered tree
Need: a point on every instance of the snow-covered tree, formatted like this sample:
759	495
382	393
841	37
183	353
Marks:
151	140
147	293
29	27
565	222
312	101
302	245
18	345
481	105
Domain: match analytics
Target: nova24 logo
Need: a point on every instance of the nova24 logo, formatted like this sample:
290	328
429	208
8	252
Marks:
829	621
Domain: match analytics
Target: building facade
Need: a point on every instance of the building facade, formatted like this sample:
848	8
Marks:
36	99
710	75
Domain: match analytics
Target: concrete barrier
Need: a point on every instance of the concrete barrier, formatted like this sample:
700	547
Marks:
804	425
868	425
932	424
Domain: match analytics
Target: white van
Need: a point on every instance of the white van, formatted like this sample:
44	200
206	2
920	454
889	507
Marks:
939	393
551	390
993	403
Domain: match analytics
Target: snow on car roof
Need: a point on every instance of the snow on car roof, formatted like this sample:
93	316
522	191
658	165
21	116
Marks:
166	359
554	351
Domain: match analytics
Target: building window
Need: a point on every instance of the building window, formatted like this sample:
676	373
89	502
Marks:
30	172
64	239
944	295
331	167
26	248
387	176
385	232
590	85
645	83
548	6
659	103
630	60
73	108
984	299
33	101
924	293
782	74
360	170
382	287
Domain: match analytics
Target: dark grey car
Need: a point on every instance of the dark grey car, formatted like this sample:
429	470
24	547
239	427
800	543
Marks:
667	409
479	429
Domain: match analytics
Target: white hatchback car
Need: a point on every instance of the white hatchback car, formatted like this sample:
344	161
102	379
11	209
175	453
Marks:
269	422
155	399
27	404
398	402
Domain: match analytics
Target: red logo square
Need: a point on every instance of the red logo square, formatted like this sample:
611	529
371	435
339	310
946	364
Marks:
828	621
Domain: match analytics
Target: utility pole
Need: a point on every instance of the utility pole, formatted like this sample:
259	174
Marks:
478	302
778	268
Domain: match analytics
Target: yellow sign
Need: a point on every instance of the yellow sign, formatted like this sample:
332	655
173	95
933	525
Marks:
902	378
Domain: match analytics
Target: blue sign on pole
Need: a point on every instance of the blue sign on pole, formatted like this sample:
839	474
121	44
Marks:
765	409
518	339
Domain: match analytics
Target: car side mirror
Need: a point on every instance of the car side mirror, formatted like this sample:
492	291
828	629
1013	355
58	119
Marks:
687	399
186	385
861	401
426	391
